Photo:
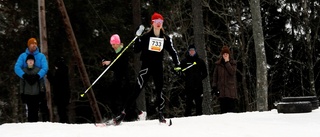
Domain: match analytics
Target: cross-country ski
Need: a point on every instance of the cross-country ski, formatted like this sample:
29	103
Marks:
107	123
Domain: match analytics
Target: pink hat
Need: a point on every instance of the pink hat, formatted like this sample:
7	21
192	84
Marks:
115	39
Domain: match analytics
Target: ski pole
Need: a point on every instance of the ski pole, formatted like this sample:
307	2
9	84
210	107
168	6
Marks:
194	63
138	33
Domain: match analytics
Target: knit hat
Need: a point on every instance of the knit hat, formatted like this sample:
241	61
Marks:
32	41
156	16
30	57
225	49
191	47
115	39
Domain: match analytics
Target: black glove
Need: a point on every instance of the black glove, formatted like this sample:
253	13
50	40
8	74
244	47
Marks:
177	69
34	78
215	91
28	78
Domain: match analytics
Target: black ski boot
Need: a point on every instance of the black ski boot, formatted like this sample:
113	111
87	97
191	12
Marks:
119	118
161	118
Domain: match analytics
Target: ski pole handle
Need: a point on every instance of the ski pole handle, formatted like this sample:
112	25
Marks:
194	63
140	30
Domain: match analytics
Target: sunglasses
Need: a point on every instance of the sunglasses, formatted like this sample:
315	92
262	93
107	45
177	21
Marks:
158	21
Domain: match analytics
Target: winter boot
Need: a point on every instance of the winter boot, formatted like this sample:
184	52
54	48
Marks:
119	118
161	118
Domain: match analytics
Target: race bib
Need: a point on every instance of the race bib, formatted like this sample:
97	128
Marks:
156	44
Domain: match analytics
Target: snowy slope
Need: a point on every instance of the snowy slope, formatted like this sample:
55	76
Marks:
249	124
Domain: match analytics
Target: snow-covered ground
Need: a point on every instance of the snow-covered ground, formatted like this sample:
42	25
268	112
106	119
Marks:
249	124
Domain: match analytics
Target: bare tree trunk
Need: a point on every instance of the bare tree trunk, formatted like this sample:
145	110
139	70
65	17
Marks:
80	64
136	12
44	50
198	29
244	76
244	58
262	83
309	48
14	101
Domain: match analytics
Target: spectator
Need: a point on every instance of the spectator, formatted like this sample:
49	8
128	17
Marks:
30	88
40	62
61	88
224	81
120	86
195	71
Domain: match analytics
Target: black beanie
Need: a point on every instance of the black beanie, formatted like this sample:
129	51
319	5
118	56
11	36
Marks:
30	57
191	46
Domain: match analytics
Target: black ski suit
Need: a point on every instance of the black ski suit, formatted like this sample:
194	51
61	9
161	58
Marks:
151	48
121	81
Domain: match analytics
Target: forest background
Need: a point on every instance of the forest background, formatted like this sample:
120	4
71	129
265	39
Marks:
290	32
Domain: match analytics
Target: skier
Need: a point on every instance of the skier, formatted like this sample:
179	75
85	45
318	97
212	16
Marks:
121	76
151	46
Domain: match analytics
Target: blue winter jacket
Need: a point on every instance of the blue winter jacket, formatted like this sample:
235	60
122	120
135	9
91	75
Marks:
40	62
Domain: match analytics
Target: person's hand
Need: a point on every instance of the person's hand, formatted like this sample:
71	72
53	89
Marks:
34	78
105	62
37	77
28	78
178	70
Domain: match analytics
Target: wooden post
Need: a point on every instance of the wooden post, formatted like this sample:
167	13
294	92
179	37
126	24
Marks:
44	50
81	67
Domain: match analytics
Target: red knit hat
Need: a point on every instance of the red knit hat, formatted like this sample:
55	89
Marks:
156	16
32	41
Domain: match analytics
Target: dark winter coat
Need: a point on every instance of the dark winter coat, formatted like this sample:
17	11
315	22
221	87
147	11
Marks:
60	83
26	88
142	45
194	75
61	88
224	78
120	68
